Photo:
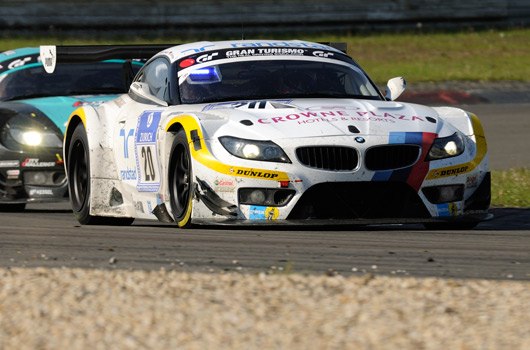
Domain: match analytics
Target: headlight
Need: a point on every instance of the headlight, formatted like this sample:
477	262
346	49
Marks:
256	150
446	147
41	138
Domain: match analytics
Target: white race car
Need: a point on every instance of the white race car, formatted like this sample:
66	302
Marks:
263	132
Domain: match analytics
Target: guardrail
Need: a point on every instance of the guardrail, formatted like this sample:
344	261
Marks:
198	16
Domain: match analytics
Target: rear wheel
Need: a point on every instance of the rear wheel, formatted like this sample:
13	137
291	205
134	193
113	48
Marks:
78	171
180	180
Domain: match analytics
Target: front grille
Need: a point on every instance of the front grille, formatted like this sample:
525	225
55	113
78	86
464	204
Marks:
359	200
328	157
391	157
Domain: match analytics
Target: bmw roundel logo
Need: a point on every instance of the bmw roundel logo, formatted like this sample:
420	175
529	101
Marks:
360	139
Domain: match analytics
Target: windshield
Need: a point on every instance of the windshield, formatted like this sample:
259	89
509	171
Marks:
67	80
274	79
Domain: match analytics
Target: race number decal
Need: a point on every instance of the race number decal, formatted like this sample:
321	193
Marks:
146	152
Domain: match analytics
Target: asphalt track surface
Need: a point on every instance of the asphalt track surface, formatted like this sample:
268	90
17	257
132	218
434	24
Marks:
49	236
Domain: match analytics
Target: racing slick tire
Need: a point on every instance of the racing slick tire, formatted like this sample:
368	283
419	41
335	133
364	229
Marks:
180	180
78	171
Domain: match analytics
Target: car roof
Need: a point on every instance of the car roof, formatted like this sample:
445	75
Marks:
177	52
15	53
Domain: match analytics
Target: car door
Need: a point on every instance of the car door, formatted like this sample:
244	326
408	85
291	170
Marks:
136	136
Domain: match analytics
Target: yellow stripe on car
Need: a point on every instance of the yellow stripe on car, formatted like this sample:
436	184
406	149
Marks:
482	150
204	157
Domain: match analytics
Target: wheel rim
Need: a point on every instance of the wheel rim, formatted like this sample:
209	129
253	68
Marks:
181	180
78	176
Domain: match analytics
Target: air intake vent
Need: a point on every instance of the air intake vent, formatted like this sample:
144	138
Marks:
328	157
391	157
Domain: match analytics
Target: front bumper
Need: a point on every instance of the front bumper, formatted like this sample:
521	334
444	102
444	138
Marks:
32	177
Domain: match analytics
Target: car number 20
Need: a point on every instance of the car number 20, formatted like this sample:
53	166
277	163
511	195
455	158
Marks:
146	152
148	169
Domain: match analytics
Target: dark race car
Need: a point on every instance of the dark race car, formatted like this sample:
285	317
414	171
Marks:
34	110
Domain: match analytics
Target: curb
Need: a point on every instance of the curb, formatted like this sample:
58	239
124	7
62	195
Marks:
465	93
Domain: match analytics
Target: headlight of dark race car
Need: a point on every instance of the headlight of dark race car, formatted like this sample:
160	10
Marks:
255	150
31	137
446	147
23	127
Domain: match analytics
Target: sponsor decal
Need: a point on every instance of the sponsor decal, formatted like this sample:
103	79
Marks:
206	57
13	174
36	163
322	54
129	174
147	166
9	163
265	52
342	115
40	192
472	181
451	171
257	174
252	49
278	43
238	104
87	103
447	209
224	185
263	213
200	49
19	62
126	141
271	213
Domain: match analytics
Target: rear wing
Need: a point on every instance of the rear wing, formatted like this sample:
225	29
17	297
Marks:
341	46
51	54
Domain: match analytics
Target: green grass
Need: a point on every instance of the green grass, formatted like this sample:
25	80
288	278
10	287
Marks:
510	188
489	55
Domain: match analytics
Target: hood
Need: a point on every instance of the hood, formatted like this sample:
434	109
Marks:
59	108
279	119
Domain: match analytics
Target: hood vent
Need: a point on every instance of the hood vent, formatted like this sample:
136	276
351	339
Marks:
353	129
263	105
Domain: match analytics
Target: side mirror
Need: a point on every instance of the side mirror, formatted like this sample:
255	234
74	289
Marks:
142	91
394	88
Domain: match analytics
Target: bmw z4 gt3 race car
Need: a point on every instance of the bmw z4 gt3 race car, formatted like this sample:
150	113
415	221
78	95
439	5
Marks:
264	132
34	109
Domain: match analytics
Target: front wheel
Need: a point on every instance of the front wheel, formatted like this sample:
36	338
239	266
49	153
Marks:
180	180
78	172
